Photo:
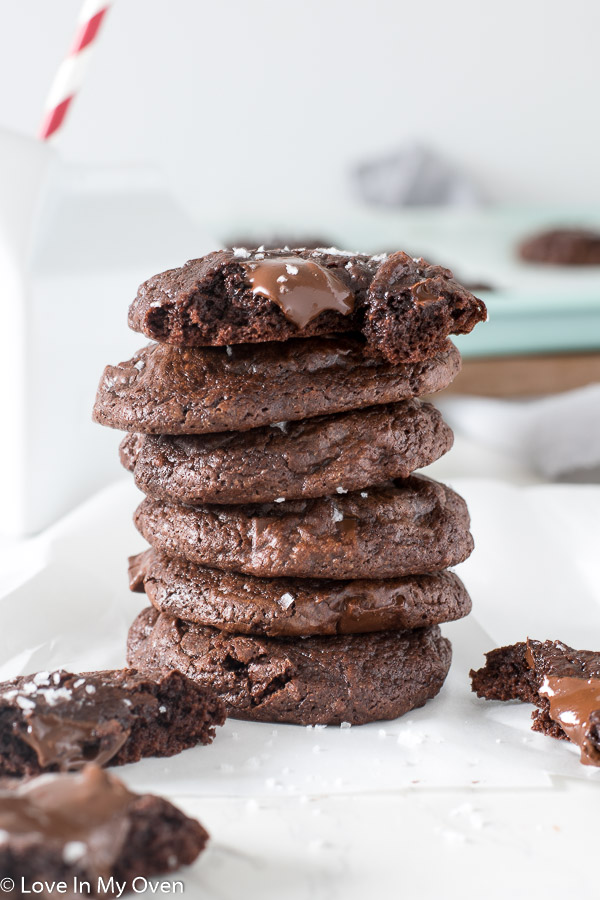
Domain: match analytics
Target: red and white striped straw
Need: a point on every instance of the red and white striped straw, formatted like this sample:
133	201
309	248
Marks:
69	77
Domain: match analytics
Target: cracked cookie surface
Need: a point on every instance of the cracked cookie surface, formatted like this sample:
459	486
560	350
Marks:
167	390
409	526
243	604
318	680
310	458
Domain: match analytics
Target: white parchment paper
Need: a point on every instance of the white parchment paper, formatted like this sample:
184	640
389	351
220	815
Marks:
64	601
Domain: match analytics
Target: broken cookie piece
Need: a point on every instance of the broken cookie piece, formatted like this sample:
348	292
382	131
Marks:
54	721
404	307
563	683
88	829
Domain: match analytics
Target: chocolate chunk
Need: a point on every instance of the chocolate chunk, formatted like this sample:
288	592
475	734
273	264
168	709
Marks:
296	606
563	683
59	721
165	390
406	527
310	458
88	827
320	680
405	307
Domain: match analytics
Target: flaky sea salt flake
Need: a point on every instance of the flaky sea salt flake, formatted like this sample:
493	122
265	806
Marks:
338	515
52	696
72	851
24	703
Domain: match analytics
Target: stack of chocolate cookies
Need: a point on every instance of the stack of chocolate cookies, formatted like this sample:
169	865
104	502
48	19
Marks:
297	566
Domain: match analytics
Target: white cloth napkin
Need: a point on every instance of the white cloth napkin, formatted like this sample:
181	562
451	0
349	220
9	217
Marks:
556	435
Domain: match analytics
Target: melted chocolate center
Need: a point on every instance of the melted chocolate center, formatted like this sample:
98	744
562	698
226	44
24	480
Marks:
71	743
70	720
301	288
572	703
87	811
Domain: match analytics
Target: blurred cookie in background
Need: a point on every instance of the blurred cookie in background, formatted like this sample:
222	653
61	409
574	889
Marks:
562	247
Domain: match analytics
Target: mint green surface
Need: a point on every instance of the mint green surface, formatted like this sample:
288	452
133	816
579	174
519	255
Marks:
520	325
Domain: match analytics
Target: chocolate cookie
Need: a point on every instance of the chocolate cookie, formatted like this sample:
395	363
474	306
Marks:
165	390
57	720
310	458
88	827
319	680
563	683
129	450
244	604
405	307
563	247
404	528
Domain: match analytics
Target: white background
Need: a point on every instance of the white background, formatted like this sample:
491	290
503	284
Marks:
264	105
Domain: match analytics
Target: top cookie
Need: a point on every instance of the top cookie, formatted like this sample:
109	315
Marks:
405	307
